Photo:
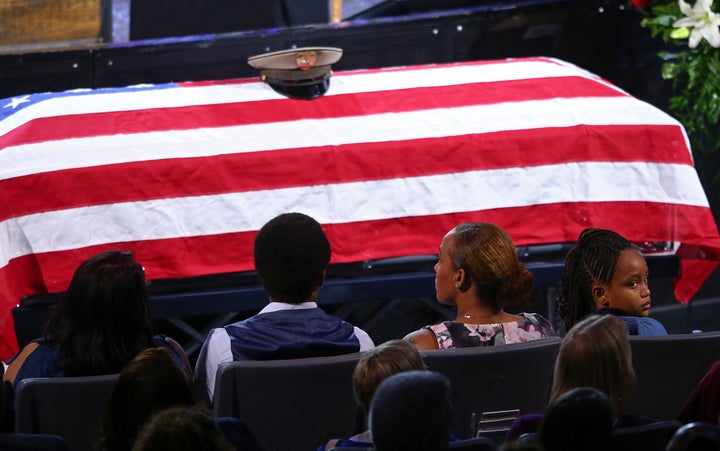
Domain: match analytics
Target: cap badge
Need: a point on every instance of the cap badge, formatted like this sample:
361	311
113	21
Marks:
305	60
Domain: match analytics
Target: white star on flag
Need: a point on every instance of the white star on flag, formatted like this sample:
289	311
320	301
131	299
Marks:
16	101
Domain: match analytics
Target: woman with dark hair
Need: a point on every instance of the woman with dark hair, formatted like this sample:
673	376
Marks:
149	384
479	272
607	274
579	419
183	428
100	324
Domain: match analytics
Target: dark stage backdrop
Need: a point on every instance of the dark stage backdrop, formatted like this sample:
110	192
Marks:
601	36
150	19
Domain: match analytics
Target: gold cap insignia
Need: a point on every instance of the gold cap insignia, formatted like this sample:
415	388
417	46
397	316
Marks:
305	60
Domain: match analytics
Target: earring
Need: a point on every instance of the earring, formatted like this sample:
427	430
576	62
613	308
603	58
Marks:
457	287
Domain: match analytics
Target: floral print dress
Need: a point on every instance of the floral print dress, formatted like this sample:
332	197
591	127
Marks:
452	334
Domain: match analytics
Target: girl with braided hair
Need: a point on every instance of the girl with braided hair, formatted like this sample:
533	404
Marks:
605	273
478	271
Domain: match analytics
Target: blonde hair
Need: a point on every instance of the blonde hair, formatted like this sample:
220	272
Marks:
381	362
596	353
488	255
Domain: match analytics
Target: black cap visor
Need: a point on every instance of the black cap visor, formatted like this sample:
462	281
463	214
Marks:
312	87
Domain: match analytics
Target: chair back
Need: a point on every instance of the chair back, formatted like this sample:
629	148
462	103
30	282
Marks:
32	442
471	444
648	437
496	378
668	368
71	407
291	404
694	436
474	444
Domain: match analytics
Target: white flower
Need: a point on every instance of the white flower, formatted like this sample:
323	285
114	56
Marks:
704	22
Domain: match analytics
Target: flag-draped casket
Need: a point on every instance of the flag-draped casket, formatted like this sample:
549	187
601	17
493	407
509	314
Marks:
183	175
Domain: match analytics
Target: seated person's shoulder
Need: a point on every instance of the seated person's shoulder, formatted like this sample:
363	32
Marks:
643	326
650	326
541	324
176	351
366	342
524	424
17	362
237	433
423	339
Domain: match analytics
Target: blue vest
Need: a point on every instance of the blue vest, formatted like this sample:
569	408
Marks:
291	334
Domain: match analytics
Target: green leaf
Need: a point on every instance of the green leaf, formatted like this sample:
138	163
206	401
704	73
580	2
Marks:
668	70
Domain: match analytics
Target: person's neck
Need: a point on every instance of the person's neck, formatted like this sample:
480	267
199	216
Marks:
478	313
613	311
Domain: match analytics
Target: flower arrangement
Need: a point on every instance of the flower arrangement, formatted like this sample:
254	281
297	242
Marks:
691	61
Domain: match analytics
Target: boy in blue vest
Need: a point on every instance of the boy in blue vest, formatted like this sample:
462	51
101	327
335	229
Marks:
291	254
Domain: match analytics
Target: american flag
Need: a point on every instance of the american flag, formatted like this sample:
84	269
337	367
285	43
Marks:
389	160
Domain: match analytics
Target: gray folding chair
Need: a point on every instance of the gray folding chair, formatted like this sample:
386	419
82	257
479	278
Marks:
668	368
70	407
31	442
291	404
496	378
648	437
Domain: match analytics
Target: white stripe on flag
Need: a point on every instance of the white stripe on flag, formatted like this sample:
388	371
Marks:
100	101
350	202
113	149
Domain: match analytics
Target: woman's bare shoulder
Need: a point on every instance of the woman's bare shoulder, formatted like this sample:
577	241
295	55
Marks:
422	339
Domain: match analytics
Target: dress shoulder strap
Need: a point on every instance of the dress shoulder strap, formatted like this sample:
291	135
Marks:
14	366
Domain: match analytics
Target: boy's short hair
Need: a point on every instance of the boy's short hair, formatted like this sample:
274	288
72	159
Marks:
291	255
381	362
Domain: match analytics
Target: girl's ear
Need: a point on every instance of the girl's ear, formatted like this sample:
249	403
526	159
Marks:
599	294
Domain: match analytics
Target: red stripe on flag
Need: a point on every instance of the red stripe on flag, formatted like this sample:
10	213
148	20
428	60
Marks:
231	114
351	242
358	241
172	178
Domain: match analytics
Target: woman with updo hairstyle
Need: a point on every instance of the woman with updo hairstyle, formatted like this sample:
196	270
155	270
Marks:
478	271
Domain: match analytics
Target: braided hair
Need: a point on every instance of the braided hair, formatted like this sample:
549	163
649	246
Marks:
592	260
